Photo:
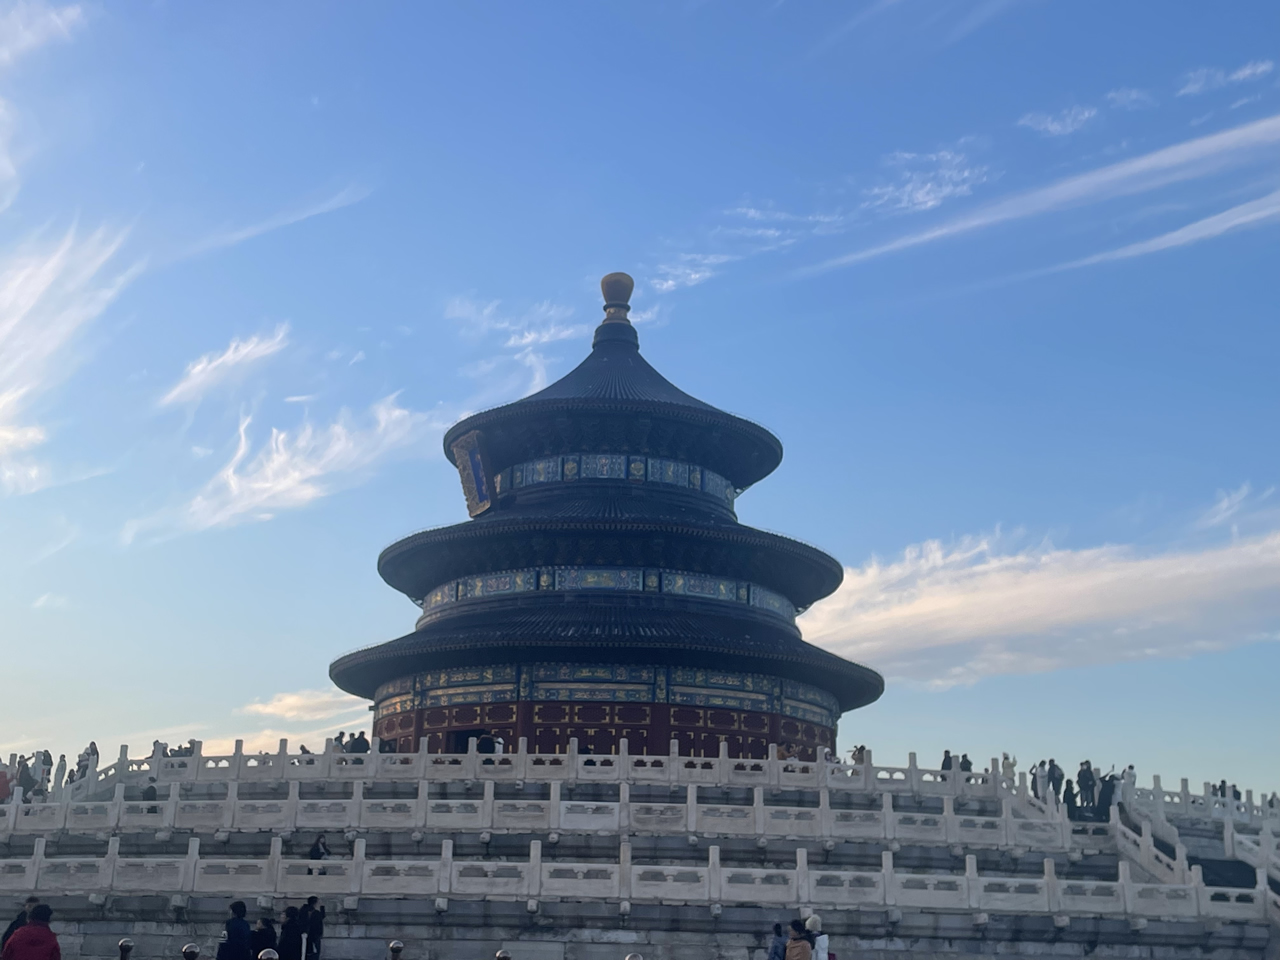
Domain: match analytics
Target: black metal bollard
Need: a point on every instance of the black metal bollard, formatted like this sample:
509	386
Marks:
502	955
395	946
126	948
268	954
191	952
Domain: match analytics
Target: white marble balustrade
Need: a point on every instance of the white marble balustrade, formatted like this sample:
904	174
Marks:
709	882
832	818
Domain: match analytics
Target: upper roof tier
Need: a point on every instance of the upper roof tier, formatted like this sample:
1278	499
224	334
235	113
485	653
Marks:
615	402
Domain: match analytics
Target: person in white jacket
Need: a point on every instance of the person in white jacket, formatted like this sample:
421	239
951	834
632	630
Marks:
821	942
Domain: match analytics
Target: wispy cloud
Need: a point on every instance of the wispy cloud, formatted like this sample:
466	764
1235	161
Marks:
215	368
1212	78
49	601
230	237
1058	124
1180	162
924	181
28	25
49	290
1227	505
1254	213
950	614
688	270
308	705
292	469
1129	98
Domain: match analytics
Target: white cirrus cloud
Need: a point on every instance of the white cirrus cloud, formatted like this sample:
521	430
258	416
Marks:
943	615
925	180
688	270
1180	162
308	705
1058	124
50	288
215	368
231	236
1130	98
293	469
1213	78
29	25
49	601
1254	213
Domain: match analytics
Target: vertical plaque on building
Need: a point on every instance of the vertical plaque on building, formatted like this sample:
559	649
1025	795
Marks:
468	454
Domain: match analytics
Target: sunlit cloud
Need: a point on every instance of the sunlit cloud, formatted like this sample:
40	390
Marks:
27	26
307	705
944	614
924	181
1212	78
1058	124
215	368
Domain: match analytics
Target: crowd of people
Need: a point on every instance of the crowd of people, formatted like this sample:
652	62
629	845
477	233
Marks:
37	774
300	936
800	940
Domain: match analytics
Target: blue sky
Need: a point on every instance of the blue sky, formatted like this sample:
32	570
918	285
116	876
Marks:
1000	274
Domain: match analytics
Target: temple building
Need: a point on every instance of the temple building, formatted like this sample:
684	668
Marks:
603	588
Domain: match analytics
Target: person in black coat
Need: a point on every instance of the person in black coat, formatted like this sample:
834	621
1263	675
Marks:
263	936
237	943
312	916
21	919
291	931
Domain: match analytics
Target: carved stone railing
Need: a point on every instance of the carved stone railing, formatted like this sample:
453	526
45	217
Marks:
1161	804
710	883
841	812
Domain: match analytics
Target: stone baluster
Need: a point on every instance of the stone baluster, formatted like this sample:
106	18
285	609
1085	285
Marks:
1185	796
282	758
573	758
950	824
357	866
554	805
471	765
107	871
229	805
533	881
803	892
191	867
421	804
868	770
993	781
913	773
624	805
1229	837
1157	791
237	761
973	889
624	869
889	826
37	862
887	878
116	809
486	805
15	809
1127	894
446	867
713	874
826	820
274	860
355	809
1052	893
757	809
291	804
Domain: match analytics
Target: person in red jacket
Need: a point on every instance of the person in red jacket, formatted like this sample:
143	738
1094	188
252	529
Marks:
34	940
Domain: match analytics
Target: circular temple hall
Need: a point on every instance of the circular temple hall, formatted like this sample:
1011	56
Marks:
603	588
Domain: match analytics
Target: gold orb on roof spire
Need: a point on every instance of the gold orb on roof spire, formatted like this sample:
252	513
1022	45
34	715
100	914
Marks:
617	288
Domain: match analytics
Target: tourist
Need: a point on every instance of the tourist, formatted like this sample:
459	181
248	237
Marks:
1055	779
319	851
33	940
1009	767
149	795
23	916
312	916
237	944
338	745
798	947
262	936
946	763
1222	789
1084	783
777	946
1069	799
302	748
360	744
291	931
60	774
821	942
1235	793
5	782
966	766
